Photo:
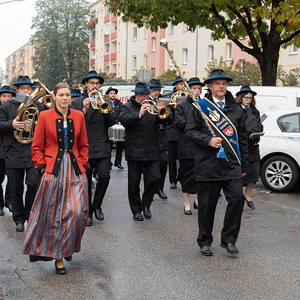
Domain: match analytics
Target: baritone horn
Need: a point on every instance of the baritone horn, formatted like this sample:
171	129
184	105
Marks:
155	109
29	113
98	102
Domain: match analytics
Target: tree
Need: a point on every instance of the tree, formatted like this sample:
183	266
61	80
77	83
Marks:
13	81
267	25
292	78
60	41
168	76
1	77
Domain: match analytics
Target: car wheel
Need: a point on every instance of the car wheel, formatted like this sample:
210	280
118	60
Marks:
279	174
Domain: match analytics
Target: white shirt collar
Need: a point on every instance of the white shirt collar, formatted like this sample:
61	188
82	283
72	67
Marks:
217	100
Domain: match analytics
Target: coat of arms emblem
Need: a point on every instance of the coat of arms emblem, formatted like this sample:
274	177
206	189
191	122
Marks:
228	131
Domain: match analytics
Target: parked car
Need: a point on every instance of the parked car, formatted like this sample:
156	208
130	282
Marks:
280	149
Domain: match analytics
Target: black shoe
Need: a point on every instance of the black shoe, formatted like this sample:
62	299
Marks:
93	185
173	185
119	166
206	251
89	221
1	212
195	205
99	214
138	217
20	227
161	194
10	208
231	248
68	258
250	204
147	213
60	271
187	212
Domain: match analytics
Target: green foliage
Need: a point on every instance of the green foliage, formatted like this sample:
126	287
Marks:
61	28
292	78
265	25
167	76
13	81
1	77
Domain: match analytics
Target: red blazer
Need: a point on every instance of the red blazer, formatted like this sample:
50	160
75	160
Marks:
48	141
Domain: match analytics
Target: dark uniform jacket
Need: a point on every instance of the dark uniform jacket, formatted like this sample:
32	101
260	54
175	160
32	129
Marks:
207	166
141	141
117	106
172	131
2	151
185	146
17	155
97	128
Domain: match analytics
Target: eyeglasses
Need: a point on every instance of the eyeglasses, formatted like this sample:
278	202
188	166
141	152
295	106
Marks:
94	83
25	88
248	98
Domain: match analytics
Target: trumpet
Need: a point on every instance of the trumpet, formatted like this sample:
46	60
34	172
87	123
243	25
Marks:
99	102
154	109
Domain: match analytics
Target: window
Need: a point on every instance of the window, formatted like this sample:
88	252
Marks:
185	28
289	123
145	32
93	35
153	44
106	49
171	62
134	34
106	10
13	58
294	49
185	56
211	53
14	70
171	29
134	60
145	60
21	67
22	53
106	29
229	51
243	61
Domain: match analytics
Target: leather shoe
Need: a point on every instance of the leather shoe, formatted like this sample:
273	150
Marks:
231	248
119	166
250	204
20	227
60	271
173	185
1	211
93	185
161	194
206	251
68	258
138	217
187	212
99	214
89	221
147	213
195	205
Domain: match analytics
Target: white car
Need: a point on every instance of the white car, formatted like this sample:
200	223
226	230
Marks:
280	149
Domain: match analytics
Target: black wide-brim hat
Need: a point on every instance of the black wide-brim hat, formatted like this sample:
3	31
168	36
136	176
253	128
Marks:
7	89
75	93
246	89
155	83
22	80
92	74
195	80
177	79
111	89
141	87
217	74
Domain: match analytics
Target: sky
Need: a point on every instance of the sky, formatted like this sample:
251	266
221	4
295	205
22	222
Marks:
15	26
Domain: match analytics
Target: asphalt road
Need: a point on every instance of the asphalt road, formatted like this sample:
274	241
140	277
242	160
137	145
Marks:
160	259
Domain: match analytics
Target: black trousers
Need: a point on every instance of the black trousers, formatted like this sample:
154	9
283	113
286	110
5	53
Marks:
100	168
163	166
6	200
119	149
16	186
135	170
173	154
208	195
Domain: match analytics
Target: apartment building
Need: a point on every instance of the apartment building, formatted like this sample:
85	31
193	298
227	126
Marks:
19	62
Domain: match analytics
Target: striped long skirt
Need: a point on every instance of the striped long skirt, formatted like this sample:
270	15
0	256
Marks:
58	216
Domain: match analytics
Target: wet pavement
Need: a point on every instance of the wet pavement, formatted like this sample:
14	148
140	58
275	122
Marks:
159	258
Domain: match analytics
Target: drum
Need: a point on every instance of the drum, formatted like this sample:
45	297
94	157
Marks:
116	133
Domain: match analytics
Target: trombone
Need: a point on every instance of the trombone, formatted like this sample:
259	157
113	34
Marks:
98	102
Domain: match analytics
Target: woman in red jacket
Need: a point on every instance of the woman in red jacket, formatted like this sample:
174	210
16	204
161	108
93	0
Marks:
60	210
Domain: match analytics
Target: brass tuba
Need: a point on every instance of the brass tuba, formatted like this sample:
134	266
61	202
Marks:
154	109
99	102
29	113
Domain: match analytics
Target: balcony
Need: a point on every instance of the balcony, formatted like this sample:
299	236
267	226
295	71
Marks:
113	56
106	58
107	18
113	16
92	61
106	38
93	44
114	35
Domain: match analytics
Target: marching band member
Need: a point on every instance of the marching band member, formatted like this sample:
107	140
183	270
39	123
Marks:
18	156
227	121
75	93
141	150
97	124
186	171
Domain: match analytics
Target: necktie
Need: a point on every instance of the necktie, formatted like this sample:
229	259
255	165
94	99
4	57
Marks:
221	104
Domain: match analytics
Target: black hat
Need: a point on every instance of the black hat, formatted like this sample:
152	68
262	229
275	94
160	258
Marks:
23	80
177	79
92	74
35	84
217	74
141	87
155	83
195	80
111	89
245	89
75	93
7	89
